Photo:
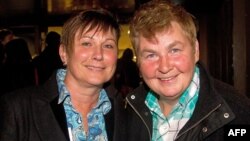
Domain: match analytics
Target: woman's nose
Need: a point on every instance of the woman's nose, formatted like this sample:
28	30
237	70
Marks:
164	64
98	53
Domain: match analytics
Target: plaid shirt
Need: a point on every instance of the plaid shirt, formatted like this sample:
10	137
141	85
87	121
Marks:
95	118
167	128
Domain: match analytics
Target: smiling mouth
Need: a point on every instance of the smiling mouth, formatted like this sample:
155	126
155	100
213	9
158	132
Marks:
95	68
168	78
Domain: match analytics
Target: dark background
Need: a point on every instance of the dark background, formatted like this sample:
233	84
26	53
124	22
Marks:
223	28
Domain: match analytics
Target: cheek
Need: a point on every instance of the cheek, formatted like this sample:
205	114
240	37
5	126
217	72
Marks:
81	55
111	58
147	69
79	52
185	64
111	62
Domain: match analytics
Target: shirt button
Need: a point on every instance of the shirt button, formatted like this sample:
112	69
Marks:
226	115
132	97
204	129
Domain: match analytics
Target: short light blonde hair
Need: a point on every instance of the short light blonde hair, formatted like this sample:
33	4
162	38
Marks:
154	16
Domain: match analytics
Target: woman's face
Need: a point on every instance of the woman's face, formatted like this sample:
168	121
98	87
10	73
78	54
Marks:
167	62
93	59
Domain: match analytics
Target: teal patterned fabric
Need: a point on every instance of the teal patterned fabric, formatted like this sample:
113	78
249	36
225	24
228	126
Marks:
96	123
167	128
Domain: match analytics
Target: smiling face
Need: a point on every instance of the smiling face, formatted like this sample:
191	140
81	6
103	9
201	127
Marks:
167	61
92	61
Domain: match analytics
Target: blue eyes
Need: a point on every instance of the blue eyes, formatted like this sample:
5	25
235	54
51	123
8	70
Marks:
172	52
150	55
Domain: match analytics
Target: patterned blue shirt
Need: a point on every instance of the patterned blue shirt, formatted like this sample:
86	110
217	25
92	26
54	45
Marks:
96	122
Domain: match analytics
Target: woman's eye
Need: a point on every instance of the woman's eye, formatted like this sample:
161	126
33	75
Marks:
86	44
175	50
108	46
150	55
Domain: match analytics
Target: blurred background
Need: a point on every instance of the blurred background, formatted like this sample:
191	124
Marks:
224	29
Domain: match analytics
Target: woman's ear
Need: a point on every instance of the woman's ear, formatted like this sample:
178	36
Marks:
197	51
63	54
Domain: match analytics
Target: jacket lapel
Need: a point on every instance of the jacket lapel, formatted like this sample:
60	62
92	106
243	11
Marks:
210	106
46	122
49	116
109	122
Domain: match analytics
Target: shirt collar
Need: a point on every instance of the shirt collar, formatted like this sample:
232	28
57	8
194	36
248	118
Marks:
63	92
103	101
193	89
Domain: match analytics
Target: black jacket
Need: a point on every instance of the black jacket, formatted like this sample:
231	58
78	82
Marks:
218	105
32	114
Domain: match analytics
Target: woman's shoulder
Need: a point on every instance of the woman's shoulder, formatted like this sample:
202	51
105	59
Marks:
22	95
